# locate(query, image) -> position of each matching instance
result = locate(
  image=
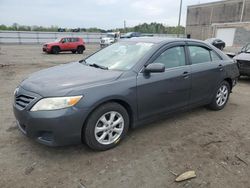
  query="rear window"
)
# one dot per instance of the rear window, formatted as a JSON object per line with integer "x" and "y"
{"x": 74, "y": 39}
{"x": 215, "y": 56}
{"x": 199, "y": 54}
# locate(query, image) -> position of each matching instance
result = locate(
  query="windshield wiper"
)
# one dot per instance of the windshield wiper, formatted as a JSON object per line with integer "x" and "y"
{"x": 94, "y": 65}
{"x": 98, "y": 66}
{"x": 83, "y": 60}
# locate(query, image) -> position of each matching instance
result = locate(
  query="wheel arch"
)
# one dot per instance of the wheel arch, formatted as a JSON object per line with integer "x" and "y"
{"x": 120, "y": 101}
{"x": 55, "y": 46}
{"x": 81, "y": 46}
{"x": 230, "y": 81}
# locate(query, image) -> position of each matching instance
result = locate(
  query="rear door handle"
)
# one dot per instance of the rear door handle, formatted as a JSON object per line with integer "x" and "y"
{"x": 220, "y": 67}
{"x": 185, "y": 74}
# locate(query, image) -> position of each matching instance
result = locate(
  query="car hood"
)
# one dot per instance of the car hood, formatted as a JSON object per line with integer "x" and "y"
{"x": 63, "y": 79}
{"x": 107, "y": 38}
{"x": 243, "y": 57}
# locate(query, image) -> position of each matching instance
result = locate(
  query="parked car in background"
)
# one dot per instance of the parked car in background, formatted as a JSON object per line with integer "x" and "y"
{"x": 73, "y": 44}
{"x": 61, "y": 30}
{"x": 131, "y": 35}
{"x": 96, "y": 100}
{"x": 243, "y": 60}
{"x": 218, "y": 43}
{"x": 109, "y": 39}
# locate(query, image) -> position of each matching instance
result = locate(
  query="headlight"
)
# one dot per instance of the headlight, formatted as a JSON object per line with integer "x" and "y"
{"x": 55, "y": 103}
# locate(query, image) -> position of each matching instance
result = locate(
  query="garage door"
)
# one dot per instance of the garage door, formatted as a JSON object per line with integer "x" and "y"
{"x": 227, "y": 35}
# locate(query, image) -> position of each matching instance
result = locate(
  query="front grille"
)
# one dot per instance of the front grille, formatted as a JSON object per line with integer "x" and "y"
{"x": 22, "y": 101}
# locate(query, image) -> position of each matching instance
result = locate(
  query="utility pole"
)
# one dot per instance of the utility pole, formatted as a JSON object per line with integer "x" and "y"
{"x": 242, "y": 10}
{"x": 124, "y": 24}
{"x": 179, "y": 21}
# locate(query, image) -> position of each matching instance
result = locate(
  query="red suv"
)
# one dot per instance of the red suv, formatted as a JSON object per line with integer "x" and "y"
{"x": 73, "y": 44}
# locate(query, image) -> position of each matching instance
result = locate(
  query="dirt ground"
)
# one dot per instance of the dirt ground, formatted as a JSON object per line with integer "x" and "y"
{"x": 214, "y": 144}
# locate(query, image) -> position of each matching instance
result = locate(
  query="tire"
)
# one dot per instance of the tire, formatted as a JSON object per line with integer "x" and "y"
{"x": 220, "y": 97}
{"x": 55, "y": 50}
{"x": 80, "y": 49}
{"x": 95, "y": 129}
{"x": 73, "y": 51}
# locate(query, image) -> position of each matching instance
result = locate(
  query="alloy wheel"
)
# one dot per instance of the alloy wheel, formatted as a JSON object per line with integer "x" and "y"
{"x": 109, "y": 128}
{"x": 222, "y": 95}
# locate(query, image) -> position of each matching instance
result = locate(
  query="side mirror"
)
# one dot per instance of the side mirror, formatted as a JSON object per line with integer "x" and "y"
{"x": 154, "y": 68}
{"x": 62, "y": 41}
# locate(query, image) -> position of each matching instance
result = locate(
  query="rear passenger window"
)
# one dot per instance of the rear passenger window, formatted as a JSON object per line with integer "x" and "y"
{"x": 173, "y": 57}
{"x": 74, "y": 39}
{"x": 199, "y": 54}
{"x": 215, "y": 56}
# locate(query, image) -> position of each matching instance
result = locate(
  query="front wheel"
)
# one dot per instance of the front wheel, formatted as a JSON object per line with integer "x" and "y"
{"x": 221, "y": 96}
{"x": 55, "y": 50}
{"x": 106, "y": 126}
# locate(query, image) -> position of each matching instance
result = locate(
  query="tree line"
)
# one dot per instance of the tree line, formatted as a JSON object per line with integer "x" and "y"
{"x": 143, "y": 28}
{"x": 155, "y": 28}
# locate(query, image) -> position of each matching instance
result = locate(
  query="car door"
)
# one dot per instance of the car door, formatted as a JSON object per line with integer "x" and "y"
{"x": 206, "y": 72}
{"x": 167, "y": 91}
{"x": 73, "y": 43}
{"x": 65, "y": 44}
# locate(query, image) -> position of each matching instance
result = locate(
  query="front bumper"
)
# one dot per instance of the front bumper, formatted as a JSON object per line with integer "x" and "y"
{"x": 46, "y": 49}
{"x": 105, "y": 44}
{"x": 52, "y": 128}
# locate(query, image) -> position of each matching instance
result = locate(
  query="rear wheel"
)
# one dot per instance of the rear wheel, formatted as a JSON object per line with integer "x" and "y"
{"x": 55, "y": 50}
{"x": 80, "y": 49}
{"x": 221, "y": 96}
{"x": 106, "y": 126}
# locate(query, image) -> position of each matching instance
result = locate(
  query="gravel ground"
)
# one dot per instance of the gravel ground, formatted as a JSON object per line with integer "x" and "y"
{"x": 214, "y": 144}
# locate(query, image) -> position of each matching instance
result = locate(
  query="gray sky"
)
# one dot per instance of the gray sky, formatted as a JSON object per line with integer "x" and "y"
{"x": 104, "y": 14}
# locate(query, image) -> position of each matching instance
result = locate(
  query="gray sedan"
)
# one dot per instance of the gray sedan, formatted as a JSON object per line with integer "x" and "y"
{"x": 97, "y": 100}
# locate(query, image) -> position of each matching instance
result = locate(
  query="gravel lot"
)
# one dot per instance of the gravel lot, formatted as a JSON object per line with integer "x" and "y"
{"x": 214, "y": 144}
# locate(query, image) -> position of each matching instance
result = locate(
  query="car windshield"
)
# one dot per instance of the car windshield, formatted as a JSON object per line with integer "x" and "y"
{"x": 110, "y": 36}
{"x": 246, "y": 48}
{"x": 58, "y": 40}
{"x": 119, "y": 56}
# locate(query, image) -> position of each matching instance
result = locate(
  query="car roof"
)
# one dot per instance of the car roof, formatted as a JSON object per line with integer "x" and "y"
{"x": 158, "y": 40}
{"x": 71, "y": 37}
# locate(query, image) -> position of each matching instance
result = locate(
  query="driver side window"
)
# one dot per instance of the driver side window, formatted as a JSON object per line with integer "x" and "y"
{"x": 172, "y": 57}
